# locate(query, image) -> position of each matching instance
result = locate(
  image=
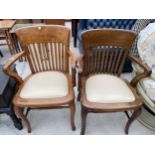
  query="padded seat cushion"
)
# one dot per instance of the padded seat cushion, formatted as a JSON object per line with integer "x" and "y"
{"x": 50, "y": 84}
{"x": 105, "y": 88}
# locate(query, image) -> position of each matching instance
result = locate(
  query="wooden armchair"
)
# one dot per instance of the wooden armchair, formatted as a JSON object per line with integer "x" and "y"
{"x": 50, "y": 85}
{"x": 101, "y": 89}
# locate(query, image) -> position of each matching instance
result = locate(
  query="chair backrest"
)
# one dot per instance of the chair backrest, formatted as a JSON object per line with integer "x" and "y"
{"x": 105, "y": 50}
{"x": 46, "y": 47}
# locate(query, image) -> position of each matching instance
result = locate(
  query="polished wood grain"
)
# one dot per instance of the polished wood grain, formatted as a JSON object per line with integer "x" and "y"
{"x": 105, "y": 51}
{"x": 46, "y": 49}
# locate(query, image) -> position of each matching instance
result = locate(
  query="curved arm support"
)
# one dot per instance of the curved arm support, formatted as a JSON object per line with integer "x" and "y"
{"x": 7, "y": 67}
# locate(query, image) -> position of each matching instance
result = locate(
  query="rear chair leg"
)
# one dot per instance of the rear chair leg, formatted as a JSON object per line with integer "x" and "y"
{"x": 27, "y": 111}
{"x": 134, "y": 116}
{"x": 24, "y": 119}
{"x": 127, "y": 114}
{"x": 72, "y": 114}
{"x": 84, "y": 113}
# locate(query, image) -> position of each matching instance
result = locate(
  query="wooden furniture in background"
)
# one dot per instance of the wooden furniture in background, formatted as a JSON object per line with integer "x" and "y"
{"x": 101, "y": 89}
{"x": 5, "y": 26}
{"x": 8, "y": 88}
{"x": 2, "y": 38}
{"x": 46, "y": 21}
{"x": 54, "y": 21}
{"x": 51, "y": 84}
{"x": 22, "y": 21}
{"x": 36, "y": 20}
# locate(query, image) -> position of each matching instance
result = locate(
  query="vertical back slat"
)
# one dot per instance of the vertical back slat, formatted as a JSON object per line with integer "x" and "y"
{"x": 44, "y": 56}
{"x": 61, "y": 65}
{"x": 99, "y": 59}
{"x": 37, "y": 57}
{"x": 48, "y": 55}
{"x": 41, "y": 56}
{"x": 67, "y": 59}
{"x": 96, "y": 54}
{"x": 114, "y": 59}
{"x": 29, "y": 59}
{"x": 63, "y": 58}
{"x": 58, "y": 56}
{"x": 112, "y": 50}
{"x": 33, "y": 60}
{"x": 124, "y": 55}
{"x": 52, "y": 55}
{"x": 118, "y": 61}
{"x": 86, "y": 62}
{"x": 92, "y": 61}
{"x": 55, "y": 56}
{"x": 102, "y": 58}
{"x": 107, "y": 58}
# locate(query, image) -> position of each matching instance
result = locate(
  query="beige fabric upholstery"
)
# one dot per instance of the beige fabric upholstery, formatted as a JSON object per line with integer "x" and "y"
{"x": 45, "y": 85}
{"x": 153, "y": 74}
{"x": 151, "y": 93}
{"x": 146, "y": 45}
{"x": 108, "y": 89}
{"x": 137, "y": 68}
{"x": 148, "y": 85}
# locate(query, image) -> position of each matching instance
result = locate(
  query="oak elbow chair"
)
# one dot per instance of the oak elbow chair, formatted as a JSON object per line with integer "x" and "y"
{"x": 100, "y": 86}
{"x": 51, "y": 83}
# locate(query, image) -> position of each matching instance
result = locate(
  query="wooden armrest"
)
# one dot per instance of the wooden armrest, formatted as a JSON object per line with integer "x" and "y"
{"x": 9, "y": 63}
{"x": 139, "y": 76}
{"x": 73, "y": 58}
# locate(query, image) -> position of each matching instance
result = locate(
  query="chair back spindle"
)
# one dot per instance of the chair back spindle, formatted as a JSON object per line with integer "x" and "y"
{"x": 46, "y": 47}
{"x": 105, "y": 50}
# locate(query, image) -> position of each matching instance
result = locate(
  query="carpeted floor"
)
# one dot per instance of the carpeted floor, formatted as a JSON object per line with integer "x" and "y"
{"x": 56, "y": 122}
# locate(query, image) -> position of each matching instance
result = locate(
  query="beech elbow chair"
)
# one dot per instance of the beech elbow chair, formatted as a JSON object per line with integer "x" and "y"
{"x": 100, "y": 87}
{"x": 50, "y": 85}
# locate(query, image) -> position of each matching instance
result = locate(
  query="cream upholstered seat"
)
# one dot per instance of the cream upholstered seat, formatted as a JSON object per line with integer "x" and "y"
{"x": 43, "y": 85}
{"x": 105, "y": 88}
